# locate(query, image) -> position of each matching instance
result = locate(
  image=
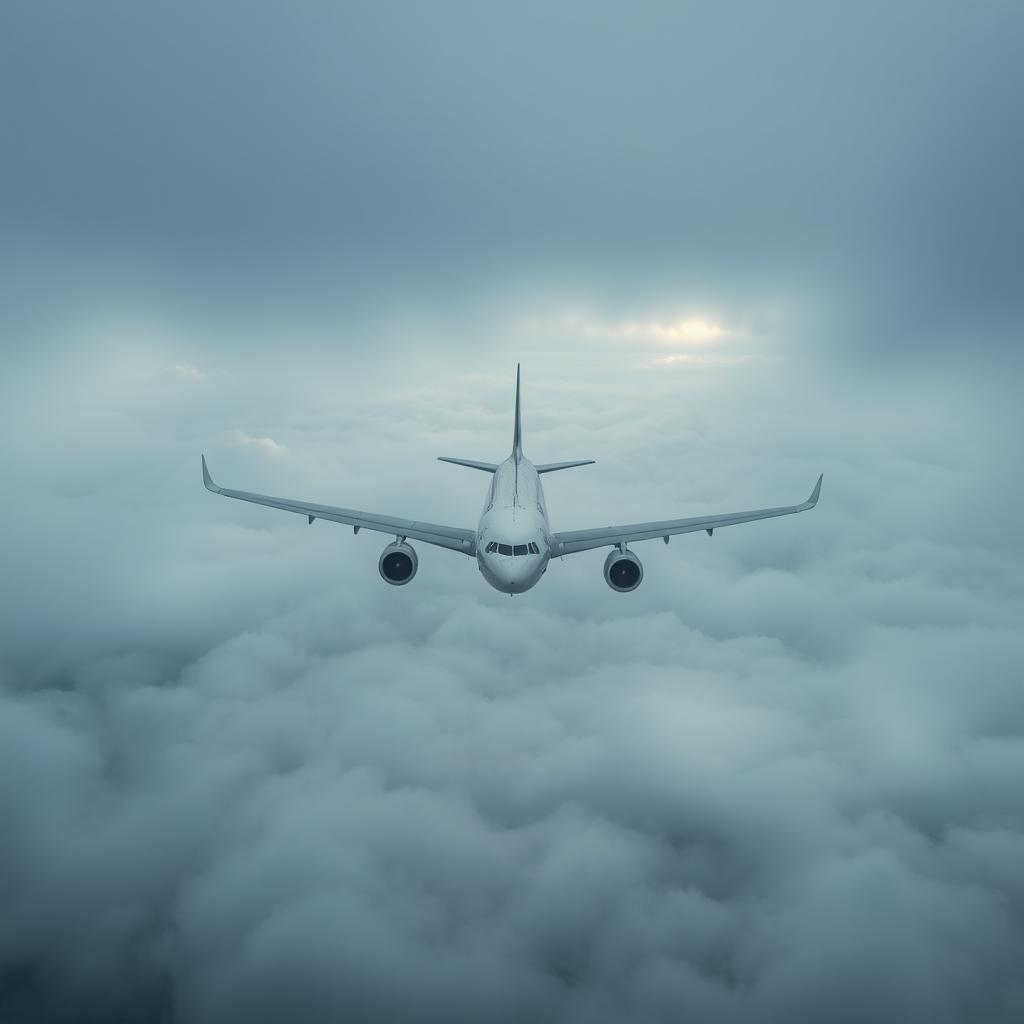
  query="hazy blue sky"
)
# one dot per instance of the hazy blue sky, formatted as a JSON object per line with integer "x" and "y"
{"x": 733, "y": 246}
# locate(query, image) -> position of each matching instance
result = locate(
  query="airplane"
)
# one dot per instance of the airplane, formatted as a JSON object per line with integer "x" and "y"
{"x": 513, "y": 542}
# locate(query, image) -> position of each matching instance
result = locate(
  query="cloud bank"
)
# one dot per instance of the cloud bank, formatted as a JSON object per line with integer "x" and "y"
{"x": 242, "y": 778}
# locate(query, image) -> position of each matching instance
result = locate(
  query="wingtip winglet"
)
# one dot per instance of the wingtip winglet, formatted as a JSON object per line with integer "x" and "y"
{"x": 813, "y": 499}
{"x": 208, "y": 480}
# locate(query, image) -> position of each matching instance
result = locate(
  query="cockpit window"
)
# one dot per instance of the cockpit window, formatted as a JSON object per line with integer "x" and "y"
{"x": 512, "y": 549}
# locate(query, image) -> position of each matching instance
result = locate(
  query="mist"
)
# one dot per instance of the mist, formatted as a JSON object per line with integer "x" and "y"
{"x": 243, "y": 778}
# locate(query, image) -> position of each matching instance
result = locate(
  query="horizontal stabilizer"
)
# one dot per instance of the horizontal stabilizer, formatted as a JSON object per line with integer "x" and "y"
{"x": 550, "y": 467}
{"x": 487, "y": 467}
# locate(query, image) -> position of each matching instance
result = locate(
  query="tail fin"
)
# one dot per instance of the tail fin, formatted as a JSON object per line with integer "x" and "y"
{"x": 517, "y": 435}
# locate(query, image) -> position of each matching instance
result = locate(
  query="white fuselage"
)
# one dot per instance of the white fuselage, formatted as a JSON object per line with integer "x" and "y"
{"x": 513, "y": 541}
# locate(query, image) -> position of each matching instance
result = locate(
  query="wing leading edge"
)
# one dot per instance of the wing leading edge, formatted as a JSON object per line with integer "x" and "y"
{"x": 584, "y": 540}
{"x": 429, "y": 533}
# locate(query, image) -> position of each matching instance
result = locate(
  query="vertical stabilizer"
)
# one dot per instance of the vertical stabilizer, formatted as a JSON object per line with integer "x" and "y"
{"x": 517, "y": 436}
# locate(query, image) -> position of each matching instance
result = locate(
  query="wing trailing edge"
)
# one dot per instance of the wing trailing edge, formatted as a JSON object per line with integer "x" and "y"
{"x": 584, "y": 540}
{"x": 451, "y": 537}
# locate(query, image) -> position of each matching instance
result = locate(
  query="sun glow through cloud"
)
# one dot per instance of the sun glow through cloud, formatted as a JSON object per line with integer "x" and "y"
{"x": 687, "y": 358}
{"x": 691, "y": 331}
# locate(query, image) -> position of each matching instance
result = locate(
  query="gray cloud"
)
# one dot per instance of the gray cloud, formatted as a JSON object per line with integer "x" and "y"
{"x": 241, "y": 778}
{"x": 246, "y": 779}
{"x": 868, "y": 154}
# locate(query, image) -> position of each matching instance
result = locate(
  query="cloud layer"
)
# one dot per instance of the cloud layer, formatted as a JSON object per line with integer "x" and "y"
{"x": 242, "y": 778}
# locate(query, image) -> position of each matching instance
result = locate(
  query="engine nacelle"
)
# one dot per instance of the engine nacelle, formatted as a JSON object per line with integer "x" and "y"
{"x": 398, "y": 564}
{"x": 623, "y": 571}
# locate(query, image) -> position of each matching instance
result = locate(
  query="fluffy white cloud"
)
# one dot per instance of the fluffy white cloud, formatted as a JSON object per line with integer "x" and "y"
{"x": 244, "y": 778}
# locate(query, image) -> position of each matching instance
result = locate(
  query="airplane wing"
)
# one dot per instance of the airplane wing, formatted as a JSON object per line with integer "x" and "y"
{"x": 429, "y": 533}
{"x": 584, "y": 540}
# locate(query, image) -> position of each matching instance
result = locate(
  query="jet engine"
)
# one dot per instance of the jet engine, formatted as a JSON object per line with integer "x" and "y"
{"x": 398, "y": 563}
{"x": 623, "y": 571}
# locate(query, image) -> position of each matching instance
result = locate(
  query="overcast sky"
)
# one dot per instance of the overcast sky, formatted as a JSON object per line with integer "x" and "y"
{"x": 733, "y": 246}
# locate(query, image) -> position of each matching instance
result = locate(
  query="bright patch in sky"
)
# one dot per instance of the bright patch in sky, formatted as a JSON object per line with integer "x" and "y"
{"x": 678, "y": 358}
{"x": 693, "y": 331}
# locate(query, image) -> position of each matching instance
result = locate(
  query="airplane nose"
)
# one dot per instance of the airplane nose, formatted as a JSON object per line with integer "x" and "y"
{"x": 511, "y": 575}
{"x": 517, "y": 576}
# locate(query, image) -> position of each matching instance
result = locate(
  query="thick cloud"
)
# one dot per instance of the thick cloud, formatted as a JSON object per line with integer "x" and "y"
{"x": 241, "y": 778}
